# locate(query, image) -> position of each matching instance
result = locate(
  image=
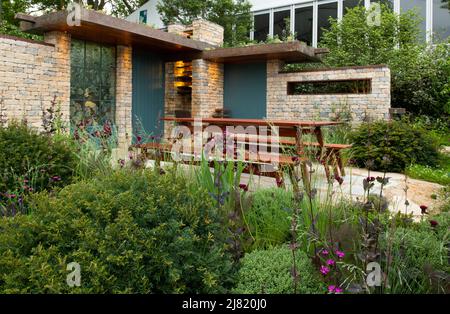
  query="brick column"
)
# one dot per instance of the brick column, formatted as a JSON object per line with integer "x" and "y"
{"x": 207, "y": 87}
{"x": 61, "y": 61}
{"x": 124, "y": 96}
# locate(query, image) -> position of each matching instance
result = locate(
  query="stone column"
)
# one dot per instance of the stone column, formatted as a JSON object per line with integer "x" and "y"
{"x": 61, "y": 61}
{"x": 124, "y": 97}
{"x": 207, "y": 87}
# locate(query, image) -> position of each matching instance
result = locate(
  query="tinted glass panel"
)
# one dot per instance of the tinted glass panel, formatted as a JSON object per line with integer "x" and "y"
{"x": 280, "y": 27}
{"x": 348, "y": 4}
{"x": 261, "y": 27}
{"x": 92, "y": 84}
{"x": 420, "y": 7}
{"x": 441, "y": 19}
{"x": 304, "y": 24}
{"x": 325, "y": 12}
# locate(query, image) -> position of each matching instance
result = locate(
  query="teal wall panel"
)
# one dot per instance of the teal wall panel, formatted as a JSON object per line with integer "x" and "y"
{"x": 148, "y": 93}
{"x": 245, "y": 90}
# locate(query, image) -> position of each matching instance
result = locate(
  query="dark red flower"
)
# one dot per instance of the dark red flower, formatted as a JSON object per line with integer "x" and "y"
{"x": 139, "y": 139}
{"x": 295, "y": 159}
{"x": 424, "y": 208}
{"x": 370, "y": 179}
{"x": 339, "y": 179}
{"x": 279, "y": 182}
{"x": 434, "y": 223}
{"x": 243, "y": 187}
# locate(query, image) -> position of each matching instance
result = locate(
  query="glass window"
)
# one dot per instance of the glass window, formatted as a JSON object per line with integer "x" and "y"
{"x": 325, "y": 12}
{"x": 92, "y": 84}
{"x": 143, "y": 17}
{"x": 280, "y": 27}
{"x": 441, "y": 19}
{"x": 388, "y": 3}
{"x": 304, "y": 24}
{"x": 261, "y": 27}
{"x": 420, "y": 6}
{"x": 349, "y": 4}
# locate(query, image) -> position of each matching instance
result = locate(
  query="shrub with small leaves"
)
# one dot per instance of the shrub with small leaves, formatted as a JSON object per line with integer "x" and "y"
{"x": 40, "y": 159}
{"x": 270, "y": 271}
{"x": 392, "y": 146}
{"x": 131, "y": 232}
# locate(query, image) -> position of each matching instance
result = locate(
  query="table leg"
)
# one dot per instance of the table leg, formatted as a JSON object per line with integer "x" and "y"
{"x": 300, "y": 150}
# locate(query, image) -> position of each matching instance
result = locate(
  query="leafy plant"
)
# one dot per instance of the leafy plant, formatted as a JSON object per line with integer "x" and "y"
{"x": 26, "y": 154}
{"x": 392, "y": 146}
{"x": 269, "y": 271}
{"x": 131, "y": 232}
{"x": 440, "y": 176}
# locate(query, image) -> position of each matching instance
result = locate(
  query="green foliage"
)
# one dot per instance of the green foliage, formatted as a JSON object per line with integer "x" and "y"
{"x": 392, "y": 146}
{"x": 40, "y": 159}
{"x": 269, "y": 217}
{"x": 131, "y": 232}
{"x": 233, "y": 15}
{"x": 13, "y": 30}
{"x": 440, "y": 176}
{"x": 269, "y": 271}
{"x": 419, "y": 74}
{"x": 419, "y": 258}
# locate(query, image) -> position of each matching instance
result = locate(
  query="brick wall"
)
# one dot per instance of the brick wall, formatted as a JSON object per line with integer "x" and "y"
{"x": 280, "y": 105}
{"x": 32, "y": 73}
{"x": 207, "y": 87}
{"x": 124, "y": 96}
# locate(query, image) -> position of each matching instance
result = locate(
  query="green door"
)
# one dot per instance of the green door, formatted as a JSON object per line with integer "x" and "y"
{"x": 148, "y": 95}
{"x": 245, "y": 89}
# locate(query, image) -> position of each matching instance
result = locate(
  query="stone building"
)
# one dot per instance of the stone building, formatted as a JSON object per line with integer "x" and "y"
{"x": 131, "y": 75}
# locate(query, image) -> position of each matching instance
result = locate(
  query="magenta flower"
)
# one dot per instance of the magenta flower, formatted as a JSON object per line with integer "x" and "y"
{"x": 340, "y": 254}
{"x": 331, "y": 288}
{"x": 338, "y": 290}
{"x": 324, "y": 270}
{"x": 330, "y": 262}
{"x": 324, "y": 252}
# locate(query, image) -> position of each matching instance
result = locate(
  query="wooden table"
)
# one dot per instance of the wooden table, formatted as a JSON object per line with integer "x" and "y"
{"x": 285, "y": 129}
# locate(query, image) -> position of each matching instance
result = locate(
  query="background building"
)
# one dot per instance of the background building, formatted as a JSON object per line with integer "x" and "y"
{"x": 307, "y": 17}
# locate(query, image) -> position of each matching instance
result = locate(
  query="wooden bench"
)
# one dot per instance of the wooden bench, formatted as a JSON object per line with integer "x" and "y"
{"x": 330, "y": 157}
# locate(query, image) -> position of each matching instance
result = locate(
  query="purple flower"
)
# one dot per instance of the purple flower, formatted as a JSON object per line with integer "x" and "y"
{"x": 121, "y": 162}
{"x": 56, "y": 178}
{"x": 324, "y": 252}
{"x": 324, "y": 270}
{"x": 340, "y": 254}
{"x": 338, "y": 290}
{"x": 330, "y": 262}
{"x": 331, "y": 288}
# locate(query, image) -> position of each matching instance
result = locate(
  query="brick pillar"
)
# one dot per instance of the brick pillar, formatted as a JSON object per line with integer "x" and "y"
{"x": 208, "y": 32}
{"x": 61, "y": 58}
{"x": 124, "y": 96}
{"x": 207, "y": 87}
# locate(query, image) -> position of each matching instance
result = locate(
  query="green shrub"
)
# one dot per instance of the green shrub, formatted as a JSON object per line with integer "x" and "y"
{"x": 269, "y": 217}
{"x": 131, "y": 232}
{"x": 419, "y": 258}
{"x": 40, "y": 159}
{"x": 396, "y": 140}
{"x": 269, "y": 271}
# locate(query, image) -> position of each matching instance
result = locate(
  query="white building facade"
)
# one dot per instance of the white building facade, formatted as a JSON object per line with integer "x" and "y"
{"x": 308, "y": 17}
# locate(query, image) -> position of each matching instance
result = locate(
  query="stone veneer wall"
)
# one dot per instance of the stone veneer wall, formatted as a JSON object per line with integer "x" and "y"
{"x": 207, "y": 87}
{"x": 124, "y": 94}
{"x": 280, "y": 105}
{"x": 32, "y": 73}
{"x": 208, "y": 32}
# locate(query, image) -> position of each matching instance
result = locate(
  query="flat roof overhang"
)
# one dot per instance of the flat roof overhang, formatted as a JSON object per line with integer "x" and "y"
{"x": 102, "y": 28}
{"x": 294, "y": 51}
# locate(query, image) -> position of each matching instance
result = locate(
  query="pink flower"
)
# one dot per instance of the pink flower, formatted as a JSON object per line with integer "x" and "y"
{"x": 340, "y": 254}
{"x": 331, "y": 288}
{"x": 324, "y": 270}
{"x": 338, "y": 290}
{"x": 330, "y": 262}
{"x": 324, "y": 252}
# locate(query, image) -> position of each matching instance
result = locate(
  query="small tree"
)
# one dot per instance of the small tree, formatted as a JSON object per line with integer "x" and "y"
{"x": 418, "y": 72}
{"x": 233, "y": 15}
